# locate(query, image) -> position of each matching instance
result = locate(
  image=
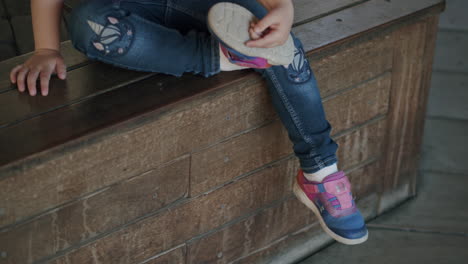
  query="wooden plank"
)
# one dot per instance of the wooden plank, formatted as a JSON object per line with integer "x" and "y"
{"x": 156, "y": 233}
{"x": 407, "y": 92}
{"x": 250, "y": 234}
{"x": 96, "y": 214}
{"x": 413, "y": 152}
{"x": 423, "y": 95}
{"x": 451, "y": 53}
{"x": 369, "y": 16}
{"x": 308, "y": 10}
{"x": 448, "y": 96}
{"x": 386, "y": 246}
{"x": 359, "y": 104}
{"x": 71, "y": 56}
{"x": 310, "y": 236}
{"x": 225, "y": 161}
{"x": 362, "y": 144}
{"x": 365, "y": 180}
{"x": 454, "y": 17}
{"x": 370, "y": 58}
{"x": 177, "y": 255}
{"x": 81, "y": 83}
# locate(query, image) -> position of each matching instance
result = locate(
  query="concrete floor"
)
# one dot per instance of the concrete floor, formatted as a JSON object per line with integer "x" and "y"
{"x": 432, "y": 227}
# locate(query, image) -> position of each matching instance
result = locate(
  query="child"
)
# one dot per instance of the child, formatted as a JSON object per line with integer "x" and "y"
{"x": 173, "y": 37}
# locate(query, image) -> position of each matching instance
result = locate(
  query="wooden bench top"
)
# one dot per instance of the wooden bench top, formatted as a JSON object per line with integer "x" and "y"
{"x": 97, "y": 97}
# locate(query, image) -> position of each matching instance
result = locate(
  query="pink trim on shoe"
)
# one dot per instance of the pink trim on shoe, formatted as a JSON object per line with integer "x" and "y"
{"x": 257, "y": 62}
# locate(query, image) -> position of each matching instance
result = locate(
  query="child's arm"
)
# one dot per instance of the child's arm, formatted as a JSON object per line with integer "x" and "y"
{"x": 273, "y": 30}
{"x": 46, "y": 15}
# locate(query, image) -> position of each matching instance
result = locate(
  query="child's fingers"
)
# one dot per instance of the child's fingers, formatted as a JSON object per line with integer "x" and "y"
{"x": 45, "y": 79}
{"x": 14, "y": 72}
{"x": 21, "y": 78}
{"x": 268, "y": 41}
{"x": 265, "y": 22}
{"x": 61, "y": 70}
{"x": 32, "y": 79}
{"x": 253, "y": 34}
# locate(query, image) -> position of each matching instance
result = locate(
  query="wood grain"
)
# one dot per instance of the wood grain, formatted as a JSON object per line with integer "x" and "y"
{"x": 96, "y": 78}
{"x": 129, "y": 152}
{"x": 309, "y": 10}
{"x": 177, "y": 255}
{"x": 333, "y": 72}
{"x": 255, "y": 232}
{"x": 242, "y": 108}
{"x": 409, "y": 94}
{"x": 369, "y": 16}
{"x": 160, "y": 232}
{"x": 96, "y": 214}
{"x": 227, "y": 160}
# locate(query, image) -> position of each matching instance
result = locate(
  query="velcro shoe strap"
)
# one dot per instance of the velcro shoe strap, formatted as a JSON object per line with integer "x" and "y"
{"x": 340, "y": 188}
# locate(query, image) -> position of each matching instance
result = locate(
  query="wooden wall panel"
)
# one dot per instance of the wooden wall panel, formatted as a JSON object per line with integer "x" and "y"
{"x": 333, "y": 72}
{"x": 250, "y": 234}
{"x": 175, "y": 256}
{"x": 363, "y": 144}
{"x": 227, "y": 160}
{"x": 160, "y": 232}
{"x": 94, "y": 215}
{"x": 408, "y": 99}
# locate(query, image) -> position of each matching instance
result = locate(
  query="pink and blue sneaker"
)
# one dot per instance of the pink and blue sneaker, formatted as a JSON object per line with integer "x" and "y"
{"x": 332, "y": 202}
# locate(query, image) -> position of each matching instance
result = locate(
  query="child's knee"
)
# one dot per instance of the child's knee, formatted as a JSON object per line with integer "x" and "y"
{"x": 97, "y": 27}
{"x": 78, "y": 27}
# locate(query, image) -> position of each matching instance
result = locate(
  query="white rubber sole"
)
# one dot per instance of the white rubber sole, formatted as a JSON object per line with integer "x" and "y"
{"x": 231, "y": 22}
{"x": 305, "y": 200}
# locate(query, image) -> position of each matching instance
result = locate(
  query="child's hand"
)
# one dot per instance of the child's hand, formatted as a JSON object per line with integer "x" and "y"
{"x": 273, "y": 30}
{"x": 41, "y": 65}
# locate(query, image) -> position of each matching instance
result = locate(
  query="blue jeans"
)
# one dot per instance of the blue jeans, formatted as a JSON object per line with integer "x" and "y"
{"x": 171, "y": 37}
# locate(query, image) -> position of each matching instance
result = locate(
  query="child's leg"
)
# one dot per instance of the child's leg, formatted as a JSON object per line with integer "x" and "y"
{"x": 297, "y": 100}
{"x": 133, "y": 34}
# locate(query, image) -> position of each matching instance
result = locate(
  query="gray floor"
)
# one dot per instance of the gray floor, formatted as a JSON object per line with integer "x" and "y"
{"x": 433, "y": 227}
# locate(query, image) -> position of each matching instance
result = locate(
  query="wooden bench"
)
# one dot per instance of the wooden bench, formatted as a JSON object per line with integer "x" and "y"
{"x": 116, "y": 166}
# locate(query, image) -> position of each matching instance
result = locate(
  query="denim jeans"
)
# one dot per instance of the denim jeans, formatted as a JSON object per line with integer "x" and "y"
{"x": 171, "y": 37}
